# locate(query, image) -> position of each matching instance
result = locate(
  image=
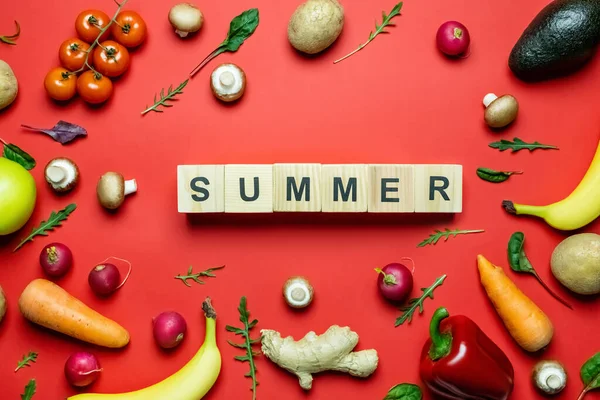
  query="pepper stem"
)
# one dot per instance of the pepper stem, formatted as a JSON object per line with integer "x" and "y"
{"x": 441, "y": 343}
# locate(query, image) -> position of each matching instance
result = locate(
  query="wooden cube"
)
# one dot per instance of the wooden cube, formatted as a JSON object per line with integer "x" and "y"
{"x": 297, "y": 187}
{"x": 344, "y": 188}
{"x": 391, "y": 188}
{"x": 248, "y": 188}
{"x": 438, "y": 188}
{"x": 201, "y": 188}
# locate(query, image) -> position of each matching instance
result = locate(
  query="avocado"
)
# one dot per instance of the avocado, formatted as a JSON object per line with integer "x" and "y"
{"x": 559, "y": 40}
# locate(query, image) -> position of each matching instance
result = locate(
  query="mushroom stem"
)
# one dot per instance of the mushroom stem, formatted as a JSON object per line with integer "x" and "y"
{"x": 56, "y": 174}
{"x": 181, "y": 33}
{"x": 487, "y": 100}
{"x": 554, "y": 382}
{"x": 226, "y": 78}
{"x": 130, "y": 187}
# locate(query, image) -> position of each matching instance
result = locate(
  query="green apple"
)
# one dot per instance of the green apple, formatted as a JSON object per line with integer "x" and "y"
{"x": 17, "y": 196}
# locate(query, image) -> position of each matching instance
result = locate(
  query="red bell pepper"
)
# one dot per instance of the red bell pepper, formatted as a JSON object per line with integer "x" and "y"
{"x": 460, "y": 362}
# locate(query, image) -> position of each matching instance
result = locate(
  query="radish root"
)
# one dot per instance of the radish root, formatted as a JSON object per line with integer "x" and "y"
{"x": 331, "y": 351}
{"x": 128, "y": 272}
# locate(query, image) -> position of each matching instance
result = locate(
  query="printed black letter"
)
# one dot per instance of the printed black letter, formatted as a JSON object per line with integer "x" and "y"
{"x": 385, "y": 190}
{"x": 291, "y": 186}
{"x": 203, "y": 191}
{"x": 243, "y": 190}
{"x": 338, "y": 187}
{"x": 441, "y": 189}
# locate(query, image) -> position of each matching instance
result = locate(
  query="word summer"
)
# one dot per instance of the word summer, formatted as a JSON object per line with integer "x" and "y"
{"x": 350, "y": 188}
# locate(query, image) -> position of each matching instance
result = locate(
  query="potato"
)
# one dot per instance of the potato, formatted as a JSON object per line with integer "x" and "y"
{"x": 2, "y": 304}
{"x": 576, "y": 263}
{"x": 8, "y": 85}
{"x": 315, "y": 25}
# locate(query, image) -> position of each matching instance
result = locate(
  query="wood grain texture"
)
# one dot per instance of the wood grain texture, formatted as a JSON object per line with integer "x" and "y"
{"x": 258, "y": 175}
{"x": 446, "y": 194}
{"x": 305, "y": 184}
{"x": 209, "y": 177}
{"x": 340, "y": 179}
{"x": 399, "y": 180}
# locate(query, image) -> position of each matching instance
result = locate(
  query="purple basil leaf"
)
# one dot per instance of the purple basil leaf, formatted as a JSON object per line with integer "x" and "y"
{"x": 63, "y": 132}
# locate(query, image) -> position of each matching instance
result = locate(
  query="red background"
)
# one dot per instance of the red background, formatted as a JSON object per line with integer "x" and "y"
{"x": 397, "y": 101}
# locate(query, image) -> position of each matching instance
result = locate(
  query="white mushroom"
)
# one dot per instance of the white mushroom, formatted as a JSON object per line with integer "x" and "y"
{"x": 228, "y": 82}
{"x": 549, "y": 376}
{"x": 186, "y": 18}
{"x": 62, "y": 174}
{"x": 298, "y": 292}
{"x": 112, "y": 189}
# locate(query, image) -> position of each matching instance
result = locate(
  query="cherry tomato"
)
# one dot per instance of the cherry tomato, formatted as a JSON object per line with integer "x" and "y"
{"x": 94, "y": 88}
{"x": 89, "y": 23}
{"x": 111, "y": 59}
{"x": 72, "y": 53}
{"x": 60, "y": 84}
{"x": 129, "y": 29}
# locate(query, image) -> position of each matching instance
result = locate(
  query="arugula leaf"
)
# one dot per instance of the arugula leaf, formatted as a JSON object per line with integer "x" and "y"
{"x": 53, "y": 221}
{"x": 240, "y": 29}
{"x": 518, "y": 144}
{"x": 417, "y": 303}
{"x": 520, "y": 263}
{"x": 63, "y": 132}
{"x": 195, "y": 277}
{"x": 404, "y": 391}
{"x": 30, "y": 357}
{"x": 386, "y": 21}
{"x": 248, "y": 342}
{"x": 170, "y": 96}
{"x": 590, "y": 375}
{"x": 16, "y": 154}
{"x": 29, "y": 390}
{"x": 435, "y": 237}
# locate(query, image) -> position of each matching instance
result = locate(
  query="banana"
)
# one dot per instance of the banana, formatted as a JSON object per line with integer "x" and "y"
{"x": 191, "y": 382}
{"x": 580, "y": 208}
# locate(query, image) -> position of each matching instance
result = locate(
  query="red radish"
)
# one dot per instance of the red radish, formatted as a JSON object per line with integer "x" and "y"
{"x": 453, "y": 38}
{"x": 169, "y": 329}
{"x": 395, "y": 282}
{"x": 105, "y": 278}
{"x": 82, "y": 369}
{"x": 56, "y": 259}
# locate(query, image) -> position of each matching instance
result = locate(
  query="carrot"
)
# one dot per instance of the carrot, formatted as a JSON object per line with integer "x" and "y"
{"x": 525, "y": 321}
{"x": 47, "y": 304}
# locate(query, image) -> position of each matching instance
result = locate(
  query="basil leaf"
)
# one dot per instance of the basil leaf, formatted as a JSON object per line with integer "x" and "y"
{"x": 63, "y": 132}
{"x": 493, "y": 176}
{"x": 516, "y": 255}
{"x": 240, "y": 29}
{"x": 590, "y": 372}
{"x": 16, "y": 154}
{"x": 404, "y": 391}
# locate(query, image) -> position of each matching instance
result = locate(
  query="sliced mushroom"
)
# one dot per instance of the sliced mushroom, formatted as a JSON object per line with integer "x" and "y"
{"x": 500, "y": 111}
{"x": 186, "y": 18}
{"x": 298, "y": 292}
{"x": 62, "y": 174}
{"x": 112, "y": 189}
{"x": 228, "y": 82}
{"x": 549, "y": 376}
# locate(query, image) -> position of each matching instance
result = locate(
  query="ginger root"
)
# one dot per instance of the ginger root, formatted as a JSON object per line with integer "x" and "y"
{"x": 331, "y": 351}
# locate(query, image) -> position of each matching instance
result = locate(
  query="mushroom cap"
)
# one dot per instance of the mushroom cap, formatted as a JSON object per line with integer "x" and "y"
{"x": 298, "y": 292}
{"x": 223, "y": 87}
{"x": 111, "y": 190}
{"x": 502, "y": 111}
{"x": 186, "y": 17}
{"x": 62, "y": 174}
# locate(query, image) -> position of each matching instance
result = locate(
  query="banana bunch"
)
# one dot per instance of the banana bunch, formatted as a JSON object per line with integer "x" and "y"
{"x": 191, "y": 382}
{"x": 580, "y": 208}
